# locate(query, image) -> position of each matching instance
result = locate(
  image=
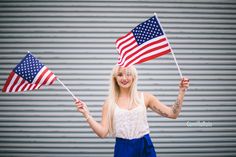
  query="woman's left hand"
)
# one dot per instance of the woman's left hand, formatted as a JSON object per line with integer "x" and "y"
{"x": 184, "y": 84}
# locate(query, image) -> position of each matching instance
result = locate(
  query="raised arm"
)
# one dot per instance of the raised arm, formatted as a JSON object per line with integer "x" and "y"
{"x": 164, "y": 110}
{"x": 101, "y": 129}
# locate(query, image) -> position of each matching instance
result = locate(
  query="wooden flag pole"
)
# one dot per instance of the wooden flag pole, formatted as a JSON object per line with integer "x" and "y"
{"x": 172, "y": 52}
{"x": 67, "y": 88}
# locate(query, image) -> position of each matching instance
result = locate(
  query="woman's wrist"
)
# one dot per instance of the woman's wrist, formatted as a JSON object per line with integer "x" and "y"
{"x": 87, "y": 116}
{"x": 182, "y": 89}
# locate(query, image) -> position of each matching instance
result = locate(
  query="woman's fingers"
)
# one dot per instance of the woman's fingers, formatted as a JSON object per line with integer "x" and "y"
{"x": 185, "y": 79}
{"x": 78, "y": 102}
{"x": 79, "y": 105}
{"x": 184, "y": 82}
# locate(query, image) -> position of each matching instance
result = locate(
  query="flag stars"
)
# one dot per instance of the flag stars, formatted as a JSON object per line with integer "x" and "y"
{"x": 28, "y": 68}
{"x": 147, "y": 30}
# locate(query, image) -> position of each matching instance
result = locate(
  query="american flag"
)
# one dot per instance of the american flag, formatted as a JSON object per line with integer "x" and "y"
{"x": 145, "y": 42}
{"x": 29, "y": 74}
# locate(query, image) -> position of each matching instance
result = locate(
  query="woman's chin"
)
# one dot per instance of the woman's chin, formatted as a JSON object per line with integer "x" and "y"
{"x": 125, "y": 86}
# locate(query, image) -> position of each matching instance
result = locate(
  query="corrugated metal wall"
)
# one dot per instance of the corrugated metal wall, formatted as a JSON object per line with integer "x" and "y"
{"x": 75, "y": 39}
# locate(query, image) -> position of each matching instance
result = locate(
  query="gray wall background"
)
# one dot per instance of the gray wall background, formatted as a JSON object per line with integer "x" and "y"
{"x": 76, "y": 40}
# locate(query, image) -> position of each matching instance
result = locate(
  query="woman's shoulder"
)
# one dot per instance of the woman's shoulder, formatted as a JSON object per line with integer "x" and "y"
{"x": 106, "y": 103}
{"x": 147, "y": 96}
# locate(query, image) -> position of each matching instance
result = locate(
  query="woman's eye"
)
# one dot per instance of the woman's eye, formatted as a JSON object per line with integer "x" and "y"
{"x": 128, "y": 73}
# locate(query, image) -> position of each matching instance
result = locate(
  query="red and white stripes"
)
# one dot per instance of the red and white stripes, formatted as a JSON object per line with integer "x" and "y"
{"x": 15, "y": 83}
{"x": 131, "y": 53}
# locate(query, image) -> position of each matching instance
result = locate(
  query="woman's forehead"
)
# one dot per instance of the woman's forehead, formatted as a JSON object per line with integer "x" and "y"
{"x": 123, "y": 69}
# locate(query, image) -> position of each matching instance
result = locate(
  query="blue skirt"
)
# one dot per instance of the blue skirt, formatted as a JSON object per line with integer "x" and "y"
{"x": 140, "y": 147}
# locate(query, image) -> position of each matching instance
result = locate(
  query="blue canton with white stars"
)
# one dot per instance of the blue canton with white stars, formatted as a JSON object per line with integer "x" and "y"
{"x": 28, "y": 68}
{"x": 147, "y": 30}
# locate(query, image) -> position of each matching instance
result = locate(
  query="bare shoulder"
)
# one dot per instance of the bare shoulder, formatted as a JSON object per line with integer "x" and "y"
{"x": 105, "y": 104}
{"x": 147, "y": 98}
{"x": 148, "y": 95}
{"x": 150, "y": 99}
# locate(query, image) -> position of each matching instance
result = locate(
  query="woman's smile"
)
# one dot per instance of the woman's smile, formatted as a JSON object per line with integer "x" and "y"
{"x": 124, "y": 82}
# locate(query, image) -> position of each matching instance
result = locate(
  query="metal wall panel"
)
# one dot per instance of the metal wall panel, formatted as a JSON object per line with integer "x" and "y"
{"x": 75, "y": 39}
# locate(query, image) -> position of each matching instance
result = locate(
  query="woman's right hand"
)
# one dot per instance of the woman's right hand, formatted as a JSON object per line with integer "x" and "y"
{"x": 82, "y": 107}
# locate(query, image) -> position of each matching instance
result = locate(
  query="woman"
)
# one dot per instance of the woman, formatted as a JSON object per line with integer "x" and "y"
{"x": 124, "y": 113}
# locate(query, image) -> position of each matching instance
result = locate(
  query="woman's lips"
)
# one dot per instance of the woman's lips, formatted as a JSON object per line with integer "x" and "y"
{"x": 124, "y": 83}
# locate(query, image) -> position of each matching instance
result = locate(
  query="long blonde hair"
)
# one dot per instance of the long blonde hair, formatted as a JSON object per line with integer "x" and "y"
{"x": 114, "y": 92}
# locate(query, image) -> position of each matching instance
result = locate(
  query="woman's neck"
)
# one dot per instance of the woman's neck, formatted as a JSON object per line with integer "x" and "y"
{"x": 124, "y": 92}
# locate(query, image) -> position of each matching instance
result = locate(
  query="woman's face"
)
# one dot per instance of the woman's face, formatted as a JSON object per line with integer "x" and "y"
{"x": 124, "y": 77}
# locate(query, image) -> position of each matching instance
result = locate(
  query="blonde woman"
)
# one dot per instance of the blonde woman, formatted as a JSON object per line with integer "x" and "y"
{"x": 124, "y": 113}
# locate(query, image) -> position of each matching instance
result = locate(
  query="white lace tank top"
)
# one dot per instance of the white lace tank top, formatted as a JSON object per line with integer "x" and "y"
{"x": 130, "y": 124}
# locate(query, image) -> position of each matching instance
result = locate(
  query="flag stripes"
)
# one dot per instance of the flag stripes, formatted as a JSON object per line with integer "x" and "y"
{"x": 134, "y": 54}
{"x": 145, "y": 42}
{"x": 15, "y": 83}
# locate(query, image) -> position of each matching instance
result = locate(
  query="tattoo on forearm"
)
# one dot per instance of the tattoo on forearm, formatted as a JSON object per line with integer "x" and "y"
{"x": 176, "y": 106}
{"x": 160, "y": 112}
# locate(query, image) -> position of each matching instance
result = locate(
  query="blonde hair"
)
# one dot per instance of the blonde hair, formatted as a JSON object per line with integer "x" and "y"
{"x": 114, "y": 92}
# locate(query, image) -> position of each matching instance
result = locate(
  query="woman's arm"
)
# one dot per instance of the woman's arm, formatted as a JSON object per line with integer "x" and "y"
{"x": 101, "y": 129}
{"x": 166, "y": 111}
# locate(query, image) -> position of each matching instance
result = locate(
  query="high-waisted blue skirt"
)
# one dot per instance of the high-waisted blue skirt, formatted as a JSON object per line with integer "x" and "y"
{"x": 140, "y": 147}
